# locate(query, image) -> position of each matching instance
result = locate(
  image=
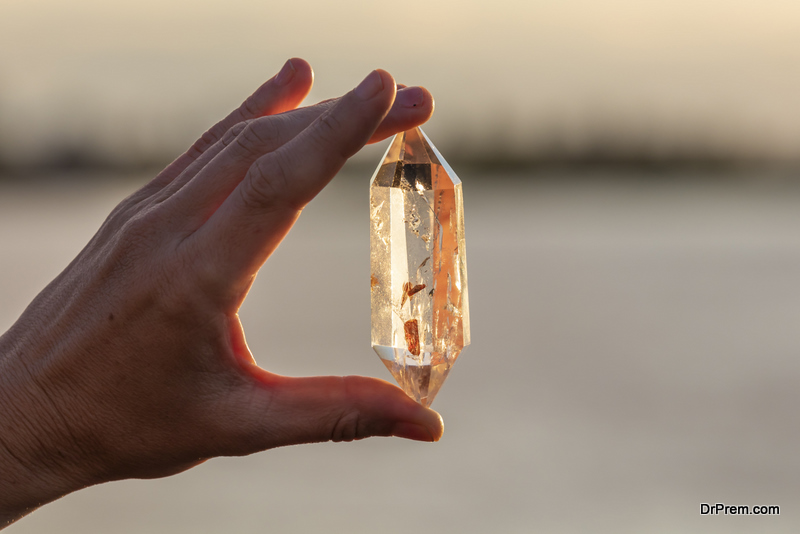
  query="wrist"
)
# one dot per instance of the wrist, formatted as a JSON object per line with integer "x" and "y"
{"x": 35, "y": 466}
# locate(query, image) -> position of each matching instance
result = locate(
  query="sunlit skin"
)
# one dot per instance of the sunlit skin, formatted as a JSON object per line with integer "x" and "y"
{"x": 133, "y": 363}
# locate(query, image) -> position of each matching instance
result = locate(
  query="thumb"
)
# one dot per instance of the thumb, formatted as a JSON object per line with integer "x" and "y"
{"x": 286, "y": 411}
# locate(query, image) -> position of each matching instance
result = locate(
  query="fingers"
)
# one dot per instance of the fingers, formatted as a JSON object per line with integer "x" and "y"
{"x": 412, "y": 106}
{"x": 302, "y": 167}
{"x": 225, "y": 164}
{"x": 280, "y": 411}
{"x": 284, "y": 91}
{"x": 255, "y": 217}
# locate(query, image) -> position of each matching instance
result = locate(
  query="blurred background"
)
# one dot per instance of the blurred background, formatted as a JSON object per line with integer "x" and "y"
{"x": 632, "y": 201}
{"x": 126, "y": 83}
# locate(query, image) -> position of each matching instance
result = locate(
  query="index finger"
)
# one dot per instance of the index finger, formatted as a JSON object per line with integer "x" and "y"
{"x": 240, "y": 235}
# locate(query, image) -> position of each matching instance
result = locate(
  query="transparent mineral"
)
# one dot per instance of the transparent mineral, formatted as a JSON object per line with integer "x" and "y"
{"x": 420, "y": 316}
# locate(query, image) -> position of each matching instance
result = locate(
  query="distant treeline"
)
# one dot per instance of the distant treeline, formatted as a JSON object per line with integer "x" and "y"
{"x": 498, "y": 153}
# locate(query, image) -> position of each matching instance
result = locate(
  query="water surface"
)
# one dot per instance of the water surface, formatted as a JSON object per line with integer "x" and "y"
{"x": 634, "y": 354}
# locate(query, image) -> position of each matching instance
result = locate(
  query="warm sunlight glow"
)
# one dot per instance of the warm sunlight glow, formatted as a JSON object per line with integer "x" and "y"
{"x": 541, "y": 72}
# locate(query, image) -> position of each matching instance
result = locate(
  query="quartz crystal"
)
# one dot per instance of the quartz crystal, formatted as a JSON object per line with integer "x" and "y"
{"x": 420, "y": 317}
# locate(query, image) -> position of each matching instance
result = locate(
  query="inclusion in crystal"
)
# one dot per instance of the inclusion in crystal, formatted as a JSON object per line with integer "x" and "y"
{"x": 418, "y": 285}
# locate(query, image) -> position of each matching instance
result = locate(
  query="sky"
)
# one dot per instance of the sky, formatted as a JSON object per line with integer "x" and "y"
{"x": 144, "y": 78}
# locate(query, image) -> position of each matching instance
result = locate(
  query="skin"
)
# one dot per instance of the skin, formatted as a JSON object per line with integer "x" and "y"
{"x": 132, "y": 363}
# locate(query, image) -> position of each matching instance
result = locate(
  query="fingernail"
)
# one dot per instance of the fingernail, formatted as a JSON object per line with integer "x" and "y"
{"x": 371, "y": 86}
{"x": 412, "y": 431}
{"x": 286, "y": 74}
{"x": 410, "y": 97}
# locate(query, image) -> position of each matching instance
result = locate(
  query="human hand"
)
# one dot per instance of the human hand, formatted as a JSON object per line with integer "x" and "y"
{"x": 132, "y": 363}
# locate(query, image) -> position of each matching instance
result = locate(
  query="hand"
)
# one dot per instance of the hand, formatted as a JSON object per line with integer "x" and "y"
{"x": 132, "y": 363}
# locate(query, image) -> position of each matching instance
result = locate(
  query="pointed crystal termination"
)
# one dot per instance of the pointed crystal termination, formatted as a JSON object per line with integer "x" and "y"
{"x": 420, "y": 315}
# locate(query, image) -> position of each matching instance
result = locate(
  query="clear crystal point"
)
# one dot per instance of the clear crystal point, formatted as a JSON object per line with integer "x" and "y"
{"x": 418, "y": 285}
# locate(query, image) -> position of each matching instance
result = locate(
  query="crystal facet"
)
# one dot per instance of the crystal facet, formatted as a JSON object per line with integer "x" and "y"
{"x": 420, "y": 315}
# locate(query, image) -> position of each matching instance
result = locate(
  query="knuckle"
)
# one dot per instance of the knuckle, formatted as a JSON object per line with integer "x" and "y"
{"x": 113, "y": 224}
{"x": 346, "y": 427}
{"x": 173, "y": 278}
{"x": 123, "y": 211}
{"x": 121, "y": 249}
{"x": 205, "y": 141}
{"x": 265, "y": 184}
{"x": 234, "y": 132}
{"x": 260, "y": 136}
{"x": 142, "y": 223}
{"x": 138, "y": 232}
